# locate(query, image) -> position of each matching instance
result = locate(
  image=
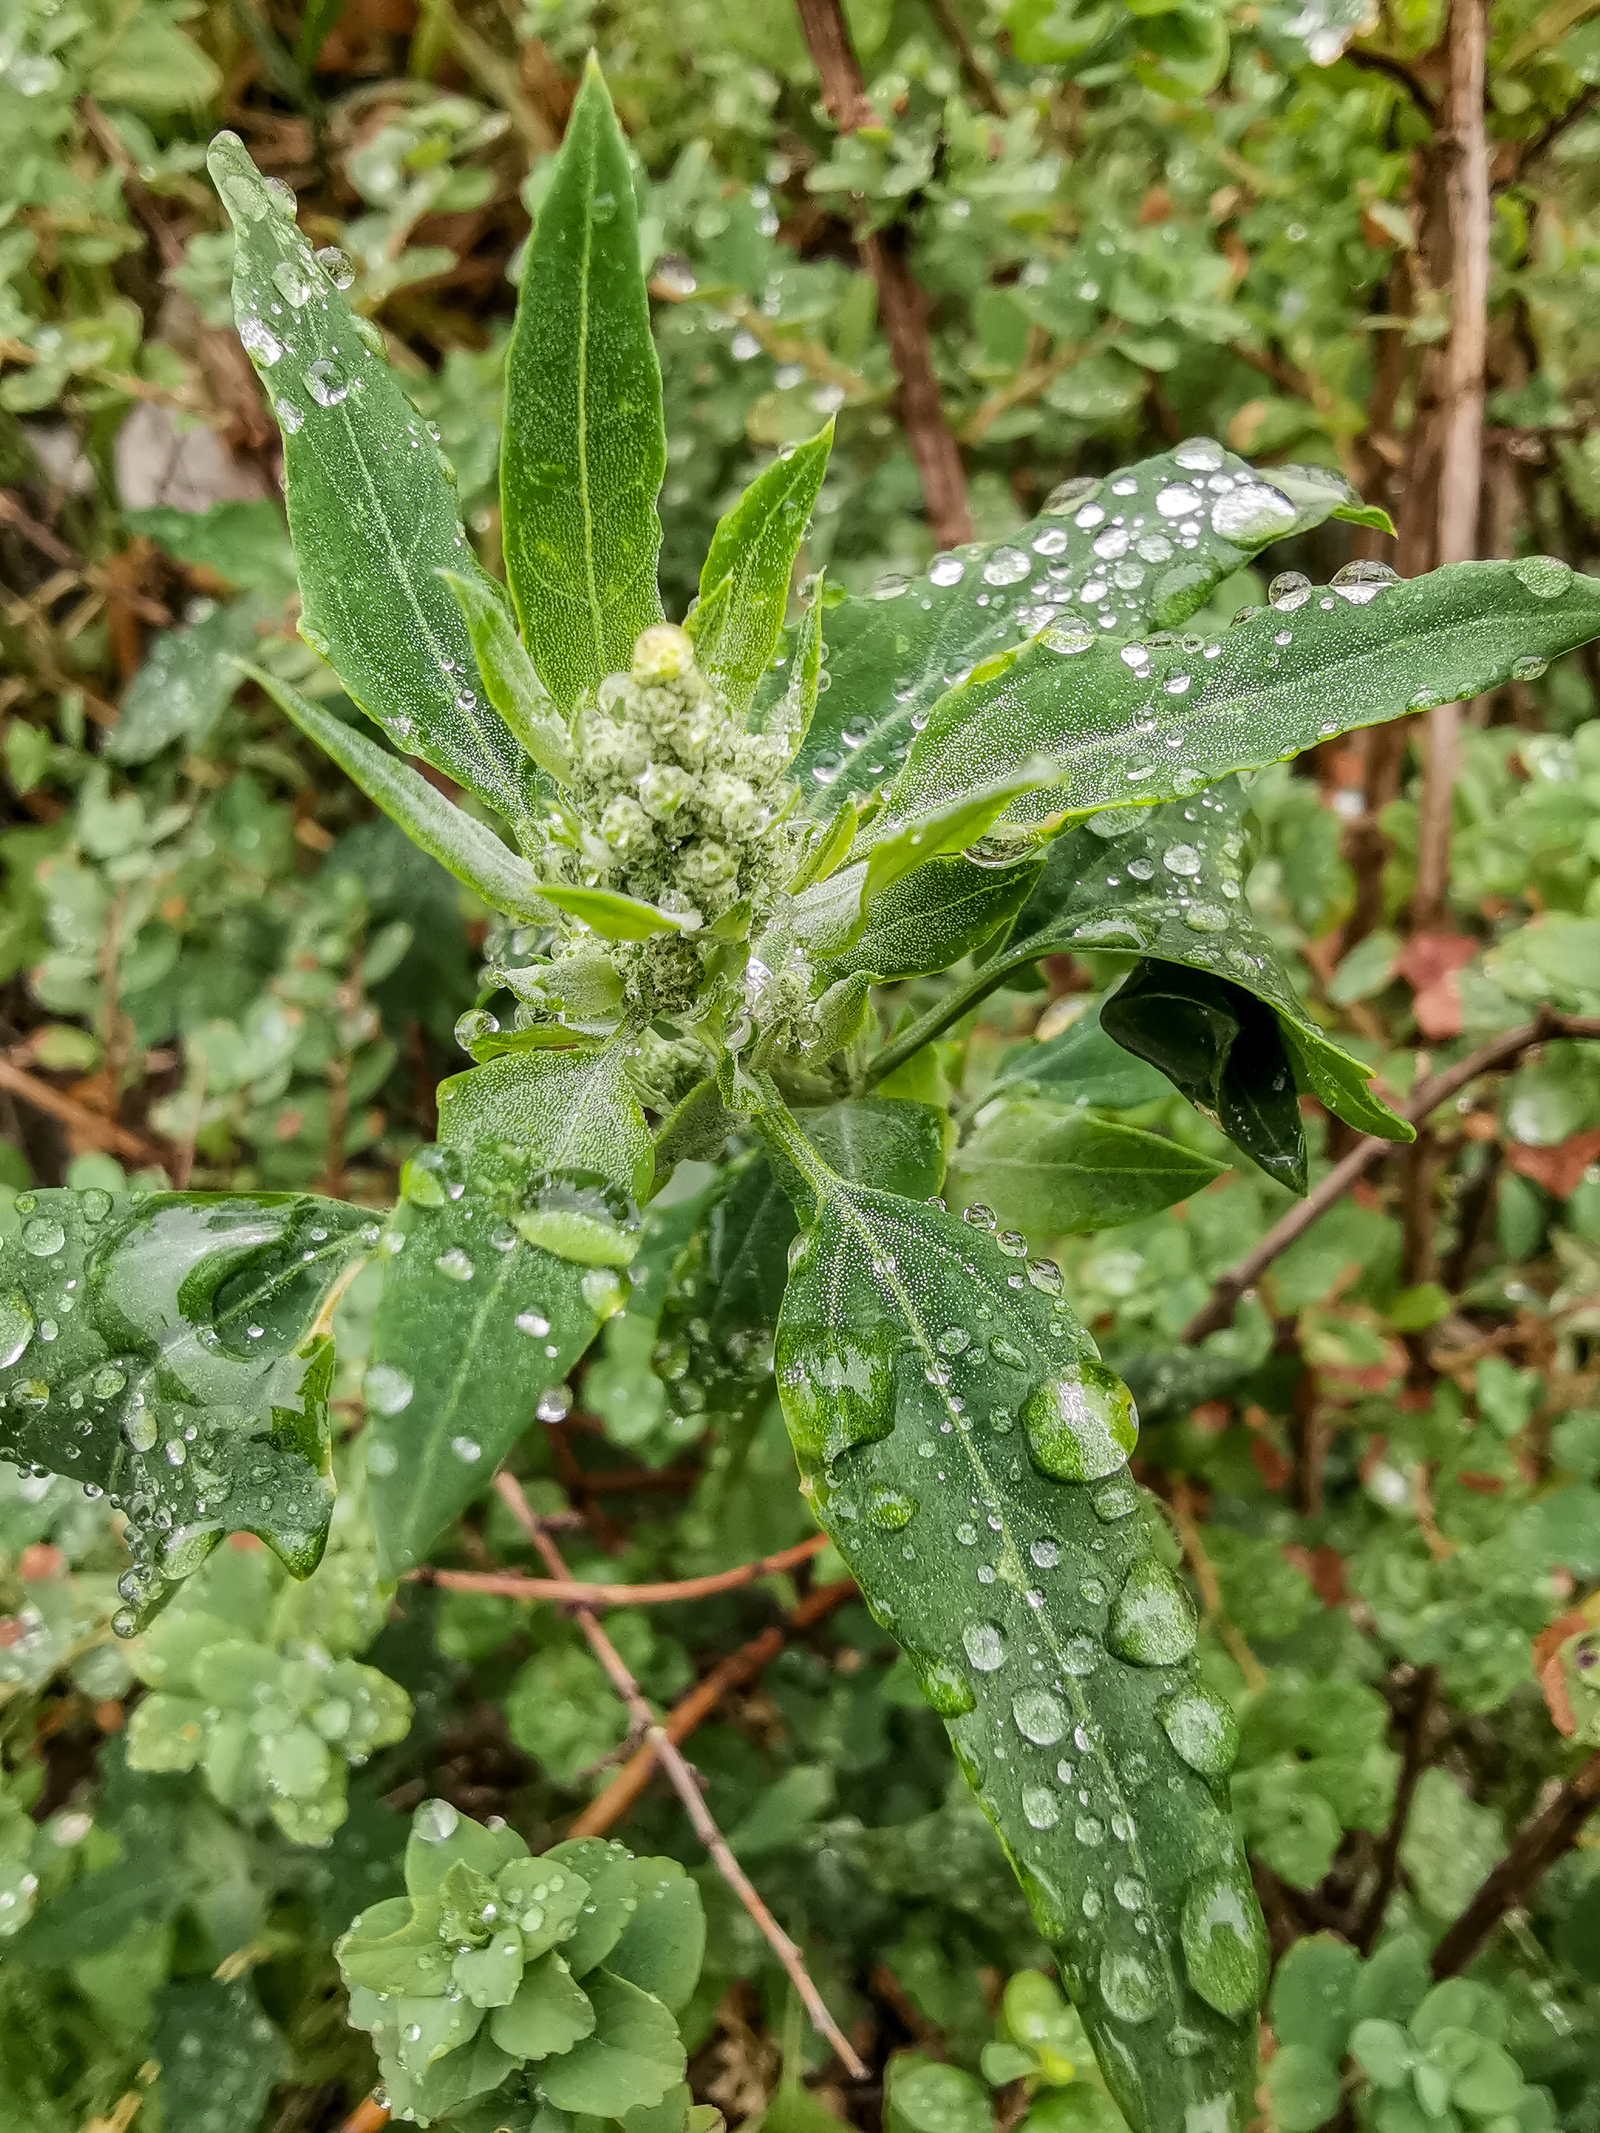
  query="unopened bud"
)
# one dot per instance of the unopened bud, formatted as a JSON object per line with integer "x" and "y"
{"x": 662, "y": 653}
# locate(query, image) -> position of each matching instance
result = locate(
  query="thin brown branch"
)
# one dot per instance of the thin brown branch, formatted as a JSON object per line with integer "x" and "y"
{"x": 369, "y": 2116}
{"x": 1418, "y": 1742}
{"x": 1462, "y": 149}
{"x": 608, "y": 1808}
{"x": 1542, "y": 143}
{"x": 88, "y": 1126}
{"x": 1500, "y": 1051}
{"x": 1205, "y": 1576}
{"x": 902, "y": 302}
{"x": 575, "y": 1591}
{"x": 1396, "y": 71}
{"x": 977, "y": 77}
{"x": 1539, "y": 1844}
{"x": 683, "y": 1781}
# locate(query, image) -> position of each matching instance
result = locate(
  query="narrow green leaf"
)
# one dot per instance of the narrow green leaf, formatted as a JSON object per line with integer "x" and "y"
{"x": 585, "y": 445}
{"x": 1224, "y": 1050}
{"x": 460, "y": 843}
{"x": 749, "y": 565}
{"x": 168, "y": 1351}
{"x": 949, "y": 827}
{"x": 514, "y": 688}
{"x": 932, "y": 918}
{"x": 892, "y": 656}
{"x": 372, "y": 509}
{"x": 829, "y": 844}
{"x": 1052, "y": 1171}
{"x": 609, "y": 913}
{"x": 967, "y": 1455}
{"x": 1185, "y": 713}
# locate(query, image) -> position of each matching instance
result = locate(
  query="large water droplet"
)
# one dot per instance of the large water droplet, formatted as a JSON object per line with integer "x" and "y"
{"x": 1082, "y": 1425}
{"x": 891, "y": 1509}
{"x": 435, "y": 1822}
{"x": 1252, "y": 512}
{"x": 336, "y": 265}
{"x": 837, "y": 1391}
{"x": 947, "y": 1690}
{"x": 1041, "y": 1806}
{"x": 1127, "y": 1986}
{"x": 1183, "y": 860}
{"x": 947, "y": 570}
{"x": 260, "y": 340}
{"x": 1289, "y": 590}
{"x": 43, "y": 1236}
{"x": 1224, "y": 1940}
{"x": 1363, "y": 580}
{"x": 431, "y": 1177}
{"x": 1005, "y": 567}
{"x": 325, "y": 382}
{"x": 1040, "y": 1717}
{"x": 1178, "y": 500}
{"x": 1203, "y": 1731}
{"x": 388, "y": 1390}
{"x": 1545, "y": 576}
{"x": 985, "y": 1644}
{"x": 1199, "y": 455}
{"x": 1152, "y": 1622}
{"x": 16, "y": 1327}
{"x": 455, "y": 1264}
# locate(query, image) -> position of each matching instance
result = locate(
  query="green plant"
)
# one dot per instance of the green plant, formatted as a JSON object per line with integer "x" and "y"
{"x": 714, "y": 864}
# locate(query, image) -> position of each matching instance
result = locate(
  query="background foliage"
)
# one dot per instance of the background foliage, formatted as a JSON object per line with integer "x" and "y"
{"x": 1133, "y": 224}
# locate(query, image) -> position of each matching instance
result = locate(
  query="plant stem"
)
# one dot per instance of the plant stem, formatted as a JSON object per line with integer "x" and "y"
{"x": 512, "y": 1585}
{"x": 1539, "y": 1844}
{"x": 682, "y": 1779}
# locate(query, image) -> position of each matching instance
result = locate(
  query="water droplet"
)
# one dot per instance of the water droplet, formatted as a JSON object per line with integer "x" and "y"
{"x": 1130, "y": 1892}
{"x": 94, "y": 1204}
{"x": 1182, "y": 859}
{"x": 1152, "y": 1621}
{"x": 1045, "y": 1553}
{"x": 1545, "y": 576}
{"x": 533, "y": 1323}
{"x": 431, "y": 1177}
{"x": 978, "y": 1216}
{"x": 325, "y": 382}
{"x": 1046, "y": 1276}
{"x": 891, "y": 1509}
{"x": 435, "y": 1822}
{"x": 260, "y": 341}
{"x": 1529, "y": 667}
{"x": 1039, "y": 1716}
{"x": 108, "y": 1381}
{"x": 16, "y": 1327}
{"x": 1289, "y": 590}
{"x": 1206, "y": 918}
{"x": 1224, "y": 1940}
{"x": 475, "y": 1023}
{"x": 1067, "y": 493}
{"x": 388, "y": 1390}
{"x": 891, "y": 585}
{"x": 43, "y": 1236}
{"x": 1362, "y": 580}
{"x": 290, "y": 418}
{"x": 1127, "y": 1987}
{"x": 554, "y": 1403}
{"x": 293, "y": 282}
{"x": 954, "y": 1339}
{"x": 1178, "y": 500}
{"x": 1081, "y": 1425}
{"x": 455, "y": 1264}
{"x": 1005, "y": 567}
{"x": 985, "y": 1644}
{"x": 1080, "y": 1656}
{"x": 467, "y": 1449}
{"x": 1251, "y": 513}
{"x": 1199, "y": 455}
{"x": 1089, "y": 1830}
{"x": 947, "y": 570}
{"x": 1041, "y": 1807}
{"x": 1068, "y": 638}
{"x": 336, "y": 265}
{"x": 1202, "y": 1730}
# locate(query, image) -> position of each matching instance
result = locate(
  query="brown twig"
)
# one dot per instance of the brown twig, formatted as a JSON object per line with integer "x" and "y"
{"x": 1461, "y": 148}
{"x": 973, "y": 71}
{"x": 89, "y": 1126}
{"x": 607, "y": 1808}
{"x": 1500, "y": 1051}
{"x": 1416, "y": 1758}
{"x": 683, "y": 1782}
{"x": 1205, "y": 1576}
{"x": 512, "y": 1585}
{"x": 1396, "y": 71}
{"x": 368, "y": 2117}
{"x": 1539, "y": 1844}
{"x": 902, "y": 303}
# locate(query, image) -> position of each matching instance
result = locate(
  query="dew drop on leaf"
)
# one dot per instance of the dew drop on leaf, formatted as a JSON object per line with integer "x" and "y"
{"x": 985, "y": 1644}
{"x": 325, "y": 382}
{"x": 1545, "y": 576}
{"x": 1041, "y": 1807}
{"x": 1127, "y": 1987}
{"x": 43, "y": 1236}
{"x": 1152, "y": 1622}
{"x": 388, "y": 1390}
{"x": 1039, "y": 1716}
{"x": 1224, "y": 1941}
{"x": 1202, "y": 1730}
{"x": 435, "y": 1822}
{"x": 891, "y": 1509}
{"x": 290, "y": 418}
{"x": 946, "y": 570}
{"x": 1082, "y": 1425}
{"x": 16, "y": 1327}
{"x": 455, "y": 1264}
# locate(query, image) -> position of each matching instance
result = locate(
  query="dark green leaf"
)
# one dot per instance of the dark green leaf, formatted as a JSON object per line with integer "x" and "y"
{"x": 1050, "y": 1171}
{"x": 1223, "y": 1049}
{"x": 1188, "y": 712}
{"x": 218, "y": 2054}
{"x": 634, "y": 2056}
{"x": 891, "y": 657}
{"x": 585, "y": 448}
{"x": 372, "y": 511}
{"x": 164, "y": 1349}
{"x": 1081, "y": 1065}
{"x": 744, "y": 586}
{"x": 967, "y": 1454}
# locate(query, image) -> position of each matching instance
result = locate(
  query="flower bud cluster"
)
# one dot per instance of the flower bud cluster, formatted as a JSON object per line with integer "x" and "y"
{"x": 680, "y": 807}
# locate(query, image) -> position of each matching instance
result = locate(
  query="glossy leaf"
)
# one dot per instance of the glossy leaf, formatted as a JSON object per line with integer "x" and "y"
{"x": 1050, "y": 1171}
{"x": 892, "y": 656}
{"x": 372, "y": 509}
{"x": 167, "y": 1350}
{"x": 937, "y": 832}
{"x": 585, "y": 447}
{"x": 1223, "y": 1049}
{"x": 508, "y": 675}
{"x": 512, "y": 1235}
{"x": 464, "y": 846}
{"x": 1079, "y": 1065}
{"x": 967, "y": 1454}
{"x": 931, "y": 919}
{"x": 1187, "y": 712}
{"x": 744, "y": 584}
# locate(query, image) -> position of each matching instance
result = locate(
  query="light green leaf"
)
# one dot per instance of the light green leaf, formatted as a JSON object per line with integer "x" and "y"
{"x": 1143, "y": 730}
{"x": 585, "y": 447}
{"x": 513, "y": 687}
{"x": 549, "y": 2014}
{"x": 901, "y": 1329}
{"x": 892, "y": 656}
{"x": 1049, "y": 1171}
{"x": 939, "y": 831}
{"x": 575, "y": 1110}
{"x": 613, "y": 916}
{"x": 195, "y": 1313}
{"x": 744, "y": 586}
{"x": 664, "y": 1941}
{"x": 372, "y": 511}
{"x": 460, "y": 843}
{"x": 188, "y": 680}
{"x": 634, "y": 2056}
{"x": 929, "y": 920}
{"x": 1080, "y": 1065}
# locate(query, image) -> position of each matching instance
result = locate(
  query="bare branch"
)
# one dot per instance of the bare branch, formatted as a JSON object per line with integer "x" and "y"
{"x": 1539, "y": 1844}
{"x": 1501, "y": 1051}
{"x": 682, "y": 1779}
{"x": 1418, "y": 1738}
{"x": 973, "y": 71}
{"x": 511, "y": 1585}
{"x": 88, "y": 1126}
